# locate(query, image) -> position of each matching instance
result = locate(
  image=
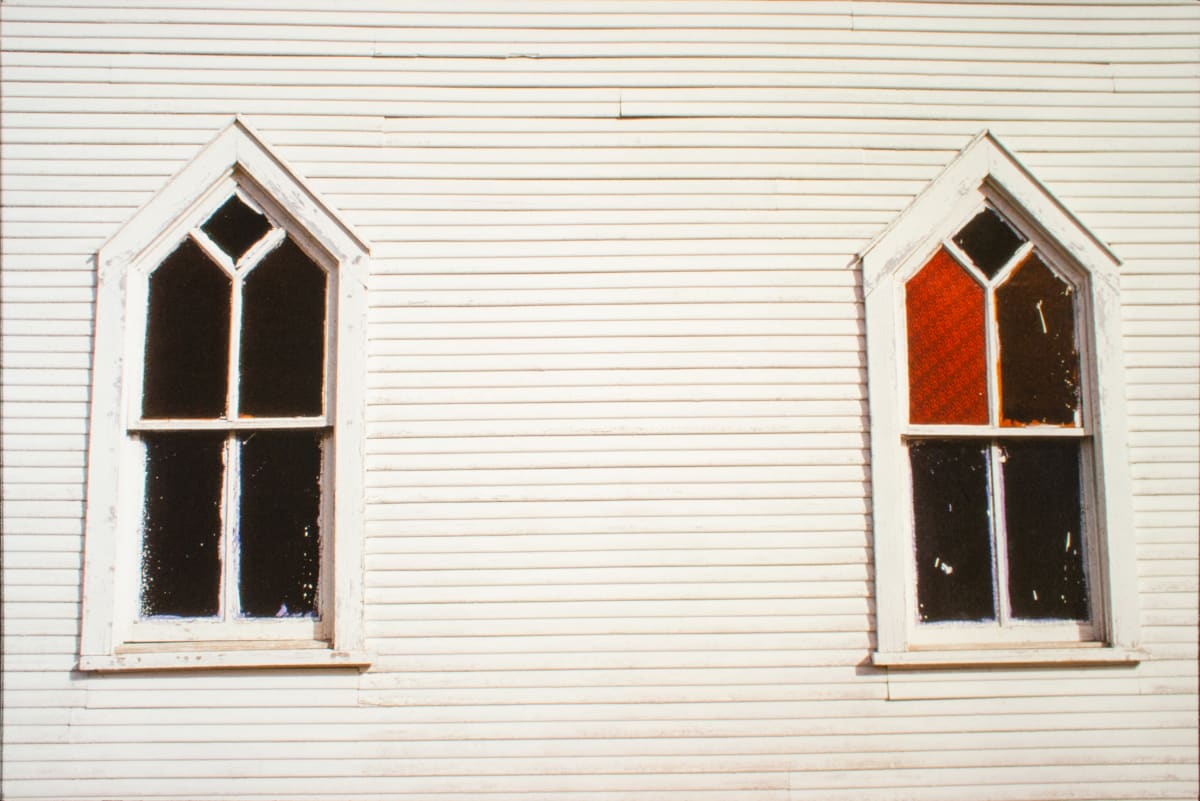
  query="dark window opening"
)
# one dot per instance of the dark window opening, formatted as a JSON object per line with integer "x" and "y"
{"x": 1045, "y": 530}
{"x": 1039, "y": 362}
{"x": 186, "y": 370}
{"x": 235, "y": 227}
{"x": 283, "y": 336}
{"x": 952, "y": 527}
{"x": 181, "y": 540}
{"x": 279, "y": 533}
{"x": 989, "y": 241}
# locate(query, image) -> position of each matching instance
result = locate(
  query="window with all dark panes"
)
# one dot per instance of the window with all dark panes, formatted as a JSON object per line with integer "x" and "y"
{"x": 234, "y": 424}
{"x": 997, "y": 437}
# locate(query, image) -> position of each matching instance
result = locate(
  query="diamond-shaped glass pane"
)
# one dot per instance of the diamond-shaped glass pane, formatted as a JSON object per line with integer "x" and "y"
{"x": 235, "y": 227}
{"x": 989, "y": 241}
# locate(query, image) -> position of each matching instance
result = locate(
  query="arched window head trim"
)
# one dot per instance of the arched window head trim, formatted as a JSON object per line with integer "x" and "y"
{"x": 237, "y": 152}
{"x": 985, "y": 164}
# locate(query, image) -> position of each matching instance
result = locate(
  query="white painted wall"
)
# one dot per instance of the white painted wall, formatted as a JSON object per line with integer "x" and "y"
{"x": 617, "y": 511}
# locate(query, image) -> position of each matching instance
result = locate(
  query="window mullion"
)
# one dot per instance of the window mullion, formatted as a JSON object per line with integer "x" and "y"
{"x": 263, "y": 247}
{"x": 231, "y": 553}
{"x": 1014, "y": 261}
{"x": 962, "y": 258}
{"x": 228, "y": 604}
{"x": 992, "y": 343}
{"x": 235, "y": 349}
{"x": 999, "y": 531}
{"x": 213, "y": 250}
{"x": 230, "y": 550}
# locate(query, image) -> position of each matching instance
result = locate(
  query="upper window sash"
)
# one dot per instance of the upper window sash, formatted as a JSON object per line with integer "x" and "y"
{"x": 1035, "y": 246}
{"x": 238, "y": 272}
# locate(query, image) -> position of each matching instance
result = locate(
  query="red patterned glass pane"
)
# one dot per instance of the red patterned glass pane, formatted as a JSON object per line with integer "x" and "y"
{"x": 947, "y": 356}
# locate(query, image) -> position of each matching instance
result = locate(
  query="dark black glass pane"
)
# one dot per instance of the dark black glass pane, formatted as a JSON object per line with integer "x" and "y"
{"x": 283, "y": 336}
{"x": 187, "y": 337}
{"x": 1045, "y": 530}
{"x": 235, "y": 227}
{"x": 181, "y": 539}
{"x": 1039, "y": 364}
{"x": 953, "y": 538}
{"x": 279, "y": 529}
{"x": 989, "y": 241}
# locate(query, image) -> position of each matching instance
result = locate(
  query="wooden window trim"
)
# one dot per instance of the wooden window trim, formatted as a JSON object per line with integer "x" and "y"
{"x": 987, "y": 173}
{"x": 112, "y": 638}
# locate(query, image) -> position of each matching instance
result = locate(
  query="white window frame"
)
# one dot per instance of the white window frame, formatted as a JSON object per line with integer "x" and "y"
{"x": 113, "y": 637}
{"x": 985, "y": 173}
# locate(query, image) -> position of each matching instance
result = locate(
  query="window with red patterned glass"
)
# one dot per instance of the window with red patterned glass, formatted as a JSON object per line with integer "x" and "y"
{"x": 997, "y": 435}
{"x": 1000, "y": 486}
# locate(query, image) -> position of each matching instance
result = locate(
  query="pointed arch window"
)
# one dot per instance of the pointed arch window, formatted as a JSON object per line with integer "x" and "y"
{"x": 1001, "y": 513}
{"x": 224, "y": 522}
{"x": 997, "y": 518}
{"x": 232, "y": 425}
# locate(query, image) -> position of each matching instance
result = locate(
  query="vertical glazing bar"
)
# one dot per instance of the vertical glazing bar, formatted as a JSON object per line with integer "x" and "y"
{"x": 992, "y": 346}
{"x": 235, "y": 347}
{"x": 230, "y": 548}
{"x": 999, "y": 525}
{"x": 231, "y": 604}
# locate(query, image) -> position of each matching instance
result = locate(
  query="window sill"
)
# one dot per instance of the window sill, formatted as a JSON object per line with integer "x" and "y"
{"x": 1081, "y": 655}
{"x": 218, "y": 657}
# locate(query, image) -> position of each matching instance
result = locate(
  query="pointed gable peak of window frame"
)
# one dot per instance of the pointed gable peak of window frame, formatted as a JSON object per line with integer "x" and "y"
{"x": 239, "y": 153}
{"x": 985, "y": 169}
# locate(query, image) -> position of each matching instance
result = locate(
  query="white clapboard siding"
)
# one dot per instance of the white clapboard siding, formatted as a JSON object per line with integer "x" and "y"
{"x": 617, "y": 520}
